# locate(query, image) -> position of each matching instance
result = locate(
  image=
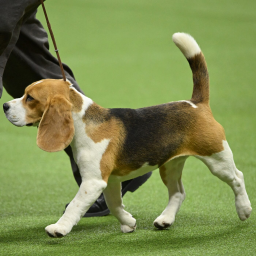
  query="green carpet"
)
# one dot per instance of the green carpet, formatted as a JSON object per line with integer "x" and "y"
{"x": 122, "y": 56}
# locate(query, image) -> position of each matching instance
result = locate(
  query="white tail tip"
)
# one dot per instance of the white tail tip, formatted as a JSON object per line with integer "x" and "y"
{"x": 187, "y": 44}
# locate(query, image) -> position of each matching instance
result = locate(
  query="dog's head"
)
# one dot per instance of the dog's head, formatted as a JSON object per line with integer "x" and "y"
{"x": 45, "y": 104}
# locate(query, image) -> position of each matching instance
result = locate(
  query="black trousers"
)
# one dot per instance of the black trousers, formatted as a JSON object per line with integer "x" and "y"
{"x": 24, "y": 54}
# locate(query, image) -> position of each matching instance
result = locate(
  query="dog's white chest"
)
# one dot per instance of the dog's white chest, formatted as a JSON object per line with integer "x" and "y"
{"x": 87, "y": 153}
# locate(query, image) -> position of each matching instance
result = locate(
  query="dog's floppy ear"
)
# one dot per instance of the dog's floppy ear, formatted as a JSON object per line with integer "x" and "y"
{"x": 56, "y": 128}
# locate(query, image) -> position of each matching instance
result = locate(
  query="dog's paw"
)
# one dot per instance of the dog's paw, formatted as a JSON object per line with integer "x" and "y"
{"x": 129, "y": 225}
{"x": 163, "y": 223}
{"x": 243, "y": 207}
{"x": 56, "y": 230}
{"x": 244, "y": 213}
{"x": 128, "y": 229}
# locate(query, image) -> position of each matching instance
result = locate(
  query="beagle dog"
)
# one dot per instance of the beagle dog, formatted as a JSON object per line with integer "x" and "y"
{"x": 114, "y": 145}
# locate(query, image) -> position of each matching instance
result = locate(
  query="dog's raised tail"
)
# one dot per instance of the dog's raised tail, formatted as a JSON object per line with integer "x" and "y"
{"x": 195, "y": 57}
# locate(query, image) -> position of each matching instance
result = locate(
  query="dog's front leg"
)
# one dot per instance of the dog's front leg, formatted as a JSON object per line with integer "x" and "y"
{"x": 87, "y": 194}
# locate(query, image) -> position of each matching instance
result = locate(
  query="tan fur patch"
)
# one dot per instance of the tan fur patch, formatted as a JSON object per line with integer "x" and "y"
{"x": 76, "y": 100}
{"x": 206, "y": 136}
{"x": 34, "y": 110}
{"x": 56, "y": 128}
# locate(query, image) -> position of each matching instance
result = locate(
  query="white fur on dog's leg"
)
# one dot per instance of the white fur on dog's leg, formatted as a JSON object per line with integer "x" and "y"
{"x": 242, "y": 202}
{"x": 56, "y": 230}
{"x": 88, "y": 193}
{"x": 222, "y": 165}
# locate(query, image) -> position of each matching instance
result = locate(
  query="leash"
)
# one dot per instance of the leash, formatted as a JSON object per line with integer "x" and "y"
{"x": 53, "y": 40}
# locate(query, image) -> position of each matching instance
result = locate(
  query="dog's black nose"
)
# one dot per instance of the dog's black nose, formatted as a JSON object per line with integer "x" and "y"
{"x": 6, "y": 106}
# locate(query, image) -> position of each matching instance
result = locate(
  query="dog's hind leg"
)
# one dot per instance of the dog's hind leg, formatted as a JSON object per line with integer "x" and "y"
{"x": 222, "y": 165}
{"x": 171, "y": 176}
{"x": 113, "y": 198}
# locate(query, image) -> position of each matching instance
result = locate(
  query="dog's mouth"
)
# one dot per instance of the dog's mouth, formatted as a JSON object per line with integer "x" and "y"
{"x": 33, "y": 124}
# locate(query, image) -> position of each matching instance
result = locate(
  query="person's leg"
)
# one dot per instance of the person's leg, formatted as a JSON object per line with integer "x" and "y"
{"x": 12, "y": 15}
{"x": 31, "y": 60}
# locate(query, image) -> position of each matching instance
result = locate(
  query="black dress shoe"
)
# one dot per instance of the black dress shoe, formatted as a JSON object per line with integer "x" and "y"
{"x": 99, "y": 208}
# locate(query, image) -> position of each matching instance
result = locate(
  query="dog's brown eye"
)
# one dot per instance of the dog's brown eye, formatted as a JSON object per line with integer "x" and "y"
{"x": 29, "y": 98}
